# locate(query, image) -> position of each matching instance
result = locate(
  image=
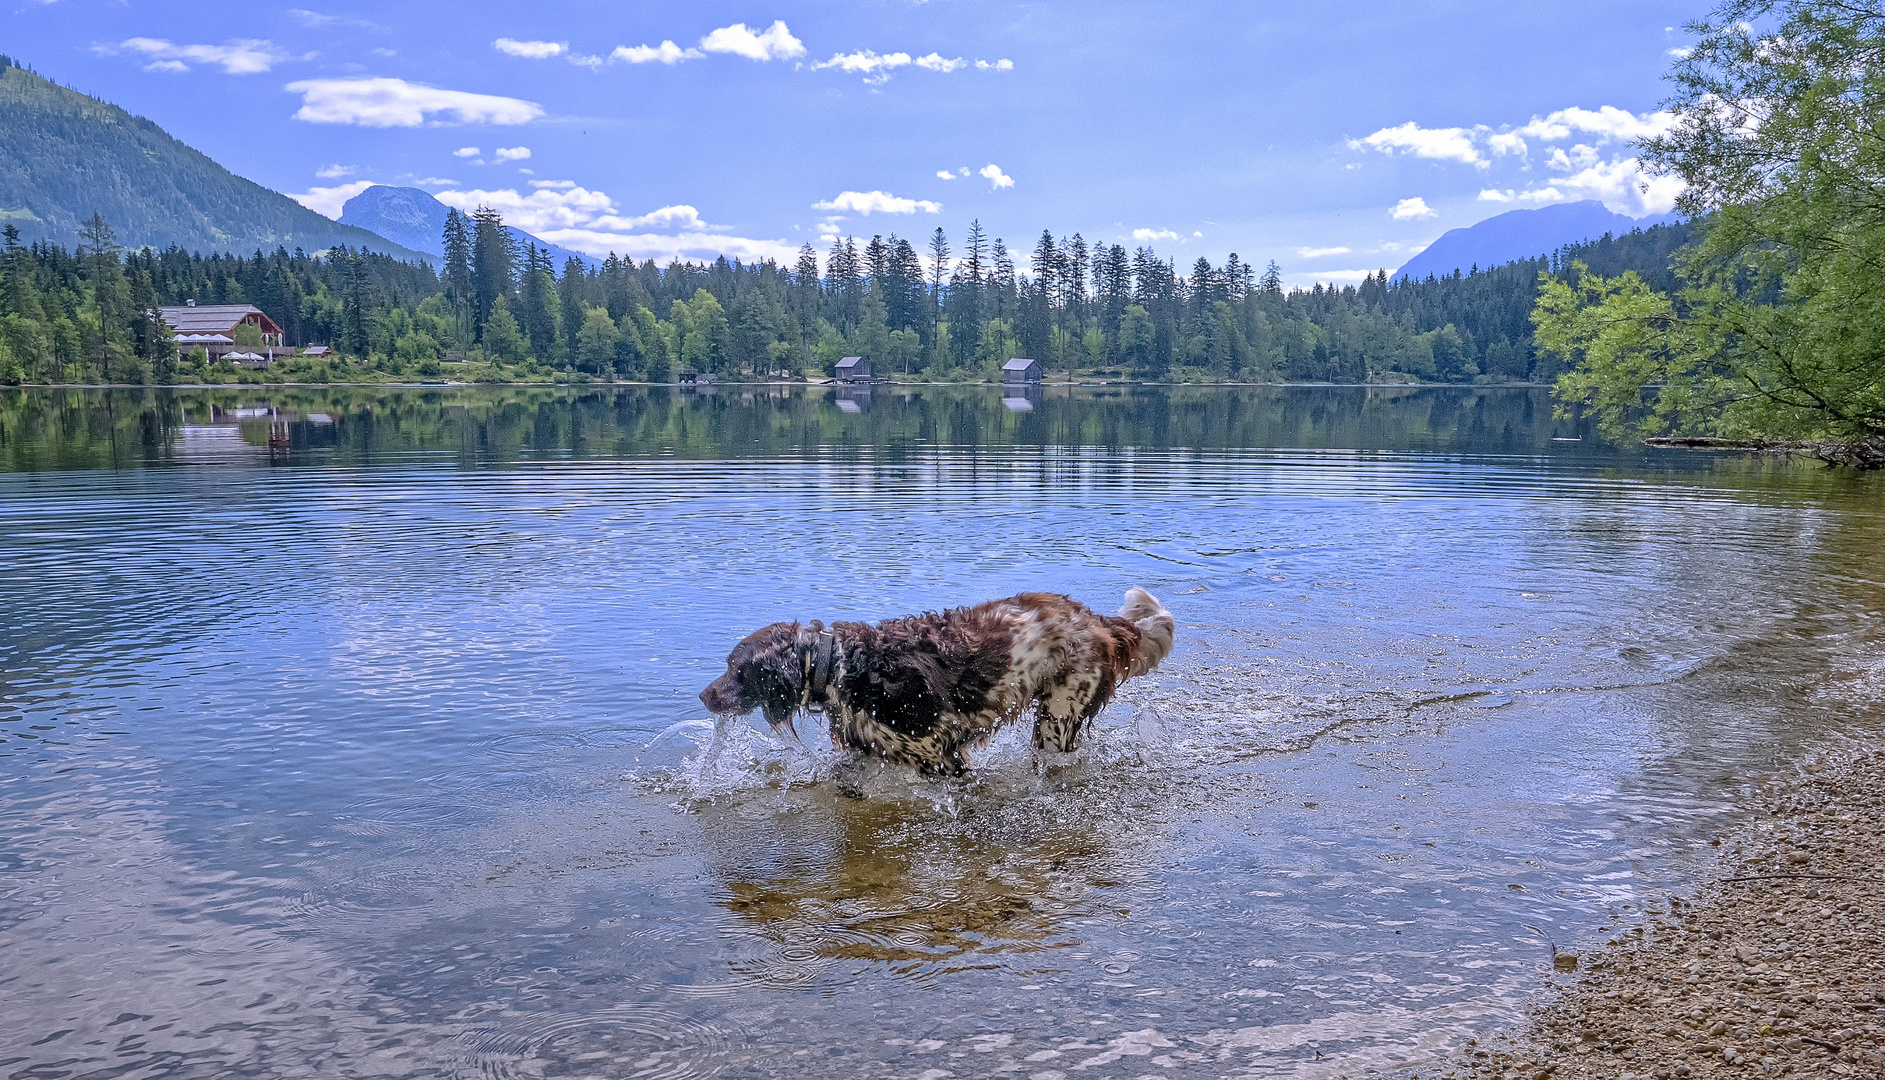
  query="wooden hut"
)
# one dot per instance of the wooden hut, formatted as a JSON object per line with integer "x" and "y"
{"x": 1022, "y": 371}
{"x": 854, "y": 369}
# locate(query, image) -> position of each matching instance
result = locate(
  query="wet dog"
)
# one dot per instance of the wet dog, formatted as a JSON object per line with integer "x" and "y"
{"x": 923, "y": 690}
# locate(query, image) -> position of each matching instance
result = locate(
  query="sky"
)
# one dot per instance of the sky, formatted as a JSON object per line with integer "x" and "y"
{"x": 1332, "y": 139}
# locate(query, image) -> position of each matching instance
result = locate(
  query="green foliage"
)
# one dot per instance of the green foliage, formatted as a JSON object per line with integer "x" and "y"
{"x": 1777, "y": 330}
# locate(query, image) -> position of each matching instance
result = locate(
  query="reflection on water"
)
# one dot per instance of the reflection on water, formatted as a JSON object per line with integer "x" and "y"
{"x": 355, "y": 732}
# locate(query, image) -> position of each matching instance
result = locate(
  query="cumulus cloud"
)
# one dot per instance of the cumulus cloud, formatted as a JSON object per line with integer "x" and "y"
{"x": 565, "y": 213}
{"x": 467, "y": 151}
{"x": 773, "y": 43}
{"x": 513, "y": 153}
{"x": 1323, "y": 252}
{"x": 241, "y": 56}
{"x": 935, "y": 62}
{"x": 998, "y": 65}
{"x": 683, "y": 217}
{"x": 877, "y": 202}
{"x": 1148, "y": 235}
{"x": 864, "y": 62}
{"x": 328, "y": 201}
{"x": 1607, "y": 123}
{"x": 1412, "y": 210}
{"x": 386, "y": 103}
{"x": 688, "y": 247}
{"x": 335, "y": 172}
{"x": 945, "y": 174}
{"x": 535, "y": 211}
{"x": 995, "y": 177}
{"x": 1440, "y": 144}
{"x": 665, "y": 53}
{"x": 531, "y": 50}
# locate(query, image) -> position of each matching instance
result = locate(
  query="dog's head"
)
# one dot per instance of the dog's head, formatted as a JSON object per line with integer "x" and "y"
{"x": 766, "y": 670}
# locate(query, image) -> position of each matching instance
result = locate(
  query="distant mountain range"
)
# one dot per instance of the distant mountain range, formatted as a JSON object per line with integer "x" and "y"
{"x": 65, "y": 156}
{"x": 1521, "y": 234}
{"x": 412, "y": 217}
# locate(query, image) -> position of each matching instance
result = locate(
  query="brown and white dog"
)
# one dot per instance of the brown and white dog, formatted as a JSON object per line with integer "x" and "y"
{"x": 923, "y": 690}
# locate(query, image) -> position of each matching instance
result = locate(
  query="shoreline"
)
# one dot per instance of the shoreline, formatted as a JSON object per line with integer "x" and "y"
{"x": 1775, "y": 968}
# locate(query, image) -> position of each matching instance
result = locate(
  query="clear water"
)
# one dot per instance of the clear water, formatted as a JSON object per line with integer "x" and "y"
{"x": 372, "y": 748}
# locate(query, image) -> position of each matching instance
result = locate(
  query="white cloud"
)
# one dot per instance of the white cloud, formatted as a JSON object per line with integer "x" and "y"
{"x": 319, "y": 21}
{"x": 695, "y": 247}
{"x": 682, "y": 217}
{"x": 665, "y": 53}
{"x": 530, "y": 50}
{"x": 995, "y": 177}
{"x": 999, "y": 65}
{"x": 384, "y": 102}
{"x": 774, "y": 43}
{"x": 1621, "y": 186}
{"x": 335, "y": 172}
{"x": 1680, "y": 54}
{"x": 1541, "y": 195}
{"x": 513, "y": 153}
{"x": 1318, "y": 253}
{"x": 436, "y": 181}
{"x": 1440, "y": 144}
{"x": 467, "y": 151}
{"x": 935, "y": 62}
{"x": 1607, "y": 123}
{"x": 877, "y": 202}
{"x": 864, "y": 62}
{"x": 1327, "y": 276}
{"x": 240, "y": 56}
{"x": 544, "y": 208}
{"x": 1495, "y": 195}
{"x": 1412, "y": 210}
{"x": 327, "y": 201}
{"x": 945, "y": 174}
{"x": 558, "y": 184}
{"x": 1504, "y": 143}
{"x": 1149, "y": 235}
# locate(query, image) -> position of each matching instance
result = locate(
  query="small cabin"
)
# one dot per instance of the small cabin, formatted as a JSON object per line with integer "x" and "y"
{"x": 854, "y": 369}
{"x": 317, "y": 351}
{"x": 1022, "y": 370}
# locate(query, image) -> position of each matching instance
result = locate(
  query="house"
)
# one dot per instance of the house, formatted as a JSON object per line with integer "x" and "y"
{"x": 212, "y": 328}
{"x": 317, "y": 351}
{"x": 1022, "y": 370}
{"x": 854, "y": 369}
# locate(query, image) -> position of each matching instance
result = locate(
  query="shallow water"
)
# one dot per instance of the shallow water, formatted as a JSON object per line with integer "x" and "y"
{"x": 355, "y": 731}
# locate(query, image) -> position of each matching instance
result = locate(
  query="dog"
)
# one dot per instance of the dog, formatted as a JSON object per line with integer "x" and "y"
{"x": 924, "y": 690}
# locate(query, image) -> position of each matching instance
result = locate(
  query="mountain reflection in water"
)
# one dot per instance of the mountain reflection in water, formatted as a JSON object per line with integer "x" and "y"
{"x": 354, "y": 730}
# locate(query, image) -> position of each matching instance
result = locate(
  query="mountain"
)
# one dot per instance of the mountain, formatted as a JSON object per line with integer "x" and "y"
{"x": 1520, "y": 234}
{"x": 414, "y": 218}
{"x": 64, "y": 156}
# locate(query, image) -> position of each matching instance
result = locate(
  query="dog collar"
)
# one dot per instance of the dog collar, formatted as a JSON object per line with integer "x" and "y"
{"x": 818, "y": 666}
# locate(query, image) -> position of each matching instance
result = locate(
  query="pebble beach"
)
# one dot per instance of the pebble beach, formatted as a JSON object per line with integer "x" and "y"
{"x": 1775, "y": 968}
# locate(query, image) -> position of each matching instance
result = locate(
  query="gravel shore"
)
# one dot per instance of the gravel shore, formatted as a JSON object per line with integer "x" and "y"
{"x": 1776, "y": 968}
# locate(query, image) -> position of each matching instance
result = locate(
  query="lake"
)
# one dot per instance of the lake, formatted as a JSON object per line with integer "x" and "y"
{"x": 354, "y": 731}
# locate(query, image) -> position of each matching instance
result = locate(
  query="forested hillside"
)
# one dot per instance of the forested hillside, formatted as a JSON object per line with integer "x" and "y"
{"x": 80, "y": 316}
{"x": 65, "y": 156}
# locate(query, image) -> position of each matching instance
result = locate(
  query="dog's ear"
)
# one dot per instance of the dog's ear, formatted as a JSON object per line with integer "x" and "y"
{"x": 777, "y": 674}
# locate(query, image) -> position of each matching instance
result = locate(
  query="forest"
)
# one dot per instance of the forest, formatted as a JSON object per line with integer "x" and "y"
{"x": 495, "y": 313}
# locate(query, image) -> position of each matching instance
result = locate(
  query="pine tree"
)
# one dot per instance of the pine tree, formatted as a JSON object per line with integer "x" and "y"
{"x": 493, "y": 263}
{"x": 938, "y": 268}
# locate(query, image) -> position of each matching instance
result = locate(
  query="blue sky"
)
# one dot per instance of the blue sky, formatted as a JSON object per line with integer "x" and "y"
{"x": 1334, "y": 139}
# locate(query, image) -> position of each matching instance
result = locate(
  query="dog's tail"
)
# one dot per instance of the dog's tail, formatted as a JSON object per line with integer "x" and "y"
{"x": 1156, "y": 630}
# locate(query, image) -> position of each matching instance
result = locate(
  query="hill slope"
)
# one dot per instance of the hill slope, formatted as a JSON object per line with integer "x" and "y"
{"x": 64, "y": 155}
{"x": 1519, "y": 234}
{"x": 412, "y": 217}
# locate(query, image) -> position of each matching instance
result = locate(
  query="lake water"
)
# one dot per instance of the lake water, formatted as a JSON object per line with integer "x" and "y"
{"x": 354, "y": 732}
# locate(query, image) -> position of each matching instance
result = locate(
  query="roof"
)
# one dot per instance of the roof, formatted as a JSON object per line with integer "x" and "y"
{"x": 852, "y": 361}
{"x": 1019, "y": 363}
{"x": 205, "y": 339}
{"x": 215, "y": 318}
